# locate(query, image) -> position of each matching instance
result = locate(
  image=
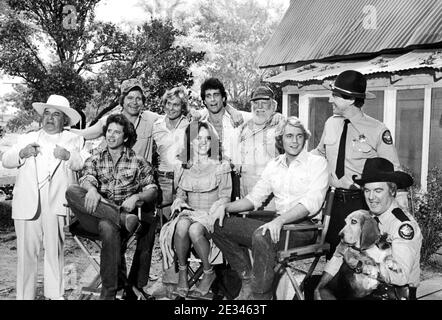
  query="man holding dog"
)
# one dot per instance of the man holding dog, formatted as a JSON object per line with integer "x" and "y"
{"x": 379, "y": 183}
{"x": 350, "y": 137}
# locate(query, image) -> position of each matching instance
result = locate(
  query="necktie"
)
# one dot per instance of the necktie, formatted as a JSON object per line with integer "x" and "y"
{"x": 341, "y": 153}
{"x": 377, "y": 219}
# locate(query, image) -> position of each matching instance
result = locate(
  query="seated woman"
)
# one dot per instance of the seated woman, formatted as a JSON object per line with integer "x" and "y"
{"x": 203, "y": 183}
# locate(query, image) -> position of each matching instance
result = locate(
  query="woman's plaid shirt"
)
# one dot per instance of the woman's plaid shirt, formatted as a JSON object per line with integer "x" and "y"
{"x": 116, "y": 182}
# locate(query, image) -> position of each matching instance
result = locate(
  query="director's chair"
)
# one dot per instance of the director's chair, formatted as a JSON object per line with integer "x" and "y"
{"x": 81, "y": 236}
{"x": 291, "y": 254}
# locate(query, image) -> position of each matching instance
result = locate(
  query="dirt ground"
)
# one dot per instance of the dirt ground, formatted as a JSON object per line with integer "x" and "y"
{"x": 79, "y": 273}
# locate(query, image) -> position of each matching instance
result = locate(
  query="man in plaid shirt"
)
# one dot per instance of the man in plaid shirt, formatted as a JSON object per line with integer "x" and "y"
{"x": 114, "y": 179}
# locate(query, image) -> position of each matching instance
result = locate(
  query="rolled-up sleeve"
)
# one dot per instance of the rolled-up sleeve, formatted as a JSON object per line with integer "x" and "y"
{"x": 89, "y": 173}
{"x": 313, "y": 199}
{"x": 263, "y": 188}
{"x": 146, "y": 178}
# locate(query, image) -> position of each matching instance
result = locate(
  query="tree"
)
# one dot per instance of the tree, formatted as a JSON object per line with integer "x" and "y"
{"x": 55, "y": 46}
{"x": 153, "y": 57}
{"x": 236, "y": 31}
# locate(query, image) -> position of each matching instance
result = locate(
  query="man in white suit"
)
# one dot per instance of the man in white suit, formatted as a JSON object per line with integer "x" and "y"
{"x": 46, "y": 160}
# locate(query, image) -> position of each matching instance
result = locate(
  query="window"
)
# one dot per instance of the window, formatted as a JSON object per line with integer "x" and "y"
{"x": 436, "y": 129}
{"x": 375, "y": 107}
{"x": 320, "y": 110}
{"x": 409, "y": 129}
{"x": 293, "y": 105}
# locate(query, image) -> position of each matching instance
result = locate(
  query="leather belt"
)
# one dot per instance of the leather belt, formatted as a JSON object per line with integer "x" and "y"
{"x": 345, "y": 195}
{"x": 167, "y": 174}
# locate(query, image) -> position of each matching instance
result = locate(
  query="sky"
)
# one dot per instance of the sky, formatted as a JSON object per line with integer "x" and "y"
{"x": 128, "y": 10}
{"x": 125, "y": 12}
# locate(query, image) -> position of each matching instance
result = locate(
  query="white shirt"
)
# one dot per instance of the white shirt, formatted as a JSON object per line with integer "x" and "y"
{"x": 305, "y": 181}
{"x": 169, "y": 142}
{"x": 230, "y": 134}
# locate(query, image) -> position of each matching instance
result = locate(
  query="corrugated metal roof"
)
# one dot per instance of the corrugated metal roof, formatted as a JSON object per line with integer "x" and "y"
{"x": 417, "y": 59}
{"x": 317, "y": 29}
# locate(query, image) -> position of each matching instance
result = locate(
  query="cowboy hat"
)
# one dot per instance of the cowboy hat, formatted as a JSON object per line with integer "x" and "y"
{"x": 382, "y": 170}
{"x": 351, "y": 83}
{"x": 60, "y": 103}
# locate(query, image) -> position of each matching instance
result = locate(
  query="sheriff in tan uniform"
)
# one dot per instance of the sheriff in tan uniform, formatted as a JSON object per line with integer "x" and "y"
{"x": 350, "y": 137}
{"x": 366, "y": 138}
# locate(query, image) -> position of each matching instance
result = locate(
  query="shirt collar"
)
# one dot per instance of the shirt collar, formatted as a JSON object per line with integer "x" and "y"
{"x": 104, "y": 149}
{"x": 301, "y": 158}
{"x": 384, "y": 217}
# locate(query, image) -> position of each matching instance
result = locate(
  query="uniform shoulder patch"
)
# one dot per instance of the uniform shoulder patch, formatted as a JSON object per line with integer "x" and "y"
{"x": 406, "y": 231}
{"x": 400, "y": 215}
{"x": 387, "y": 138}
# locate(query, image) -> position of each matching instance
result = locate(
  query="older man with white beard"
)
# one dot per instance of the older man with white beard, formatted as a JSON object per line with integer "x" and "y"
{"x": 256, "y": 141}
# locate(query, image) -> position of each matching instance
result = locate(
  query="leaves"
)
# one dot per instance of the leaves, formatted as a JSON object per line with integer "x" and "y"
{"x": 429, "y": 215}
{"x": 87, "y": 59}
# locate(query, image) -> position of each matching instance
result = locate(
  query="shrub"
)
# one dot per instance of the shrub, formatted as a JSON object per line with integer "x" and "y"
{"x": 428, "y": 213}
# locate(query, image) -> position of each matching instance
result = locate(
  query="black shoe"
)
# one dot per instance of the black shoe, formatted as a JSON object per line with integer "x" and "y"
{"x": 130, "y": 294}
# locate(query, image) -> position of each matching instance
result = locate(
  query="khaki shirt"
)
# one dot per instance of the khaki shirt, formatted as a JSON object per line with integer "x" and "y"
{"x": 406, "y": 240}
{"x": 143, "y": 127}
{"x": 366, "y": 138}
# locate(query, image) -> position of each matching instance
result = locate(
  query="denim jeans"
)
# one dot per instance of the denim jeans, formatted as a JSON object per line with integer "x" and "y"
{"x": 237, "y": 235}
{"x": 105, "y": 222}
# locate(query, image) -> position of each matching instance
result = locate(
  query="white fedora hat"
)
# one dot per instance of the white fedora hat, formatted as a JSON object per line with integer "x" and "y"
{"x": 60, "y": 103}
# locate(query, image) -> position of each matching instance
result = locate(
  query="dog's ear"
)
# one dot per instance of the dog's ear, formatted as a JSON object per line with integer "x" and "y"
{"x": 370, "y": 232}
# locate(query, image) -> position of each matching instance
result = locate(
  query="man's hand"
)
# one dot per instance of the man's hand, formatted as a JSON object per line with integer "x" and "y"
{"x": 194, "y": 114}
{"x": 274, "y": 228}
{"x": 236, "y": 117}
{"x": 91, "y": 200}
{"x": 31, "y": 150}
{"x": 219, "y": 214}
{"x": 276, "y": 119}
{"x": 61, "y": 153}
{"x": 130, "y": 203}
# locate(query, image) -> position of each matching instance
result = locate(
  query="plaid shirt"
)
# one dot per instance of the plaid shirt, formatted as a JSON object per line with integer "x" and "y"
{"x": 117, "y": 182}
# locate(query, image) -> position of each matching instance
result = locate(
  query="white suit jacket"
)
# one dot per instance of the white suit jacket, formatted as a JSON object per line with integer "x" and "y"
{"x": 26, "y": 194}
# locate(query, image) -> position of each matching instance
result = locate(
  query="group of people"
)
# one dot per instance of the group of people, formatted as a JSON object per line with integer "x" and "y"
{"x": 201, "y": 165}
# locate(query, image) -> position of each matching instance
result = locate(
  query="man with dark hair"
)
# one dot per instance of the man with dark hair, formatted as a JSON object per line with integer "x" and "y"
{"x": 350, "y": 137}
{"x": 221, "y": 115}
{"x": 131, "y": 104}
{"x": 114, "y": 179}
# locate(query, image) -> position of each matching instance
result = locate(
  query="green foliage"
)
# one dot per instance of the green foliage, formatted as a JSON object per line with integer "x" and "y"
{"x": 428, "y": 213}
